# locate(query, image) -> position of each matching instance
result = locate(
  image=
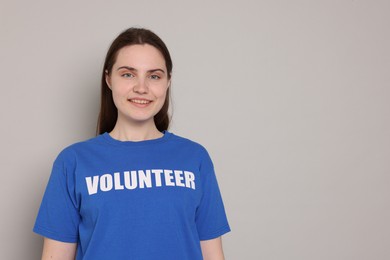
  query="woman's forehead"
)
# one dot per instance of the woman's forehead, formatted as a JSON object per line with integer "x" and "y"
{"x": 144, "y": 54}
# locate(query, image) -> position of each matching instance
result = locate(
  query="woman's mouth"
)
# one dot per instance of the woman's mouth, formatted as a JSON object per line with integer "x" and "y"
{"x": 140, "y": 101}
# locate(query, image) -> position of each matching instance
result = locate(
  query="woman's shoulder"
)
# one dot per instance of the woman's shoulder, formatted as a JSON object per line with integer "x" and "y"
{"x": 70, "y": 152}
{"x": 93, "y": 141}
{"x": 190, "y": 143}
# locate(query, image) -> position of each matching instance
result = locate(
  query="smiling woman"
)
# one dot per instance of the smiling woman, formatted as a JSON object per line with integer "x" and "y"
{"x": 133, "y": 38}
{"x": 168, "y": 206}
{"x": 139, "y": 82}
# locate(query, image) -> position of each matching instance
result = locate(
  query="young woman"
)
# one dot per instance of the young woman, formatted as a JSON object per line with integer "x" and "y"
{"x": 136, "y": 191}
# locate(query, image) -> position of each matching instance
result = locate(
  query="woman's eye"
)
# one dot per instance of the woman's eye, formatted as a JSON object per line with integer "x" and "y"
{"x": 155, "y": 77}
{"x": 127, "y": 75}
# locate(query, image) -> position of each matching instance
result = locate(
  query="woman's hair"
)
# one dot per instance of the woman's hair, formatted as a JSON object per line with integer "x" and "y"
{"x": 108, "y": 111}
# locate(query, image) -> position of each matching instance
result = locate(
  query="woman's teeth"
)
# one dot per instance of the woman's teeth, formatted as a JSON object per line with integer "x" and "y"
{"x": 140, "y": 101}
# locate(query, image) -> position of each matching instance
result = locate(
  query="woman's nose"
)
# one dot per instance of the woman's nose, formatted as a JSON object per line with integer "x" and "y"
{"x": 141, "y": 87}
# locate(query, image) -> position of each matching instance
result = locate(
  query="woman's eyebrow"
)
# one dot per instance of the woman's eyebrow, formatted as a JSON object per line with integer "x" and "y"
{"x": 154, "y": 70}
{"x": 133, "y": 69}
{"x": 126, "y": 67}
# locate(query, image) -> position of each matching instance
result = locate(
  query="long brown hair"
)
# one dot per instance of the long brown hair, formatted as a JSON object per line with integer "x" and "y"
{"x": 108, "y": 111}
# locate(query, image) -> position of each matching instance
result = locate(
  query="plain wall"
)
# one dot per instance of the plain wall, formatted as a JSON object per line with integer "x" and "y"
{"x": 291, "y": 98}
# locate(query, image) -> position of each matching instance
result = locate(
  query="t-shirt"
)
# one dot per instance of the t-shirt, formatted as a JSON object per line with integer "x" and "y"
{"x": 153, "y": 199}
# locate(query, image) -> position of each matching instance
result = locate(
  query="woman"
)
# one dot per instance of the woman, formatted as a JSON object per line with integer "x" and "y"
{"x": 136, "y": 191}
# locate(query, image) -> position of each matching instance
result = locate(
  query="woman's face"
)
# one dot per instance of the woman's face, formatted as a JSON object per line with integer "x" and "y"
{"x": 139, "y": 82}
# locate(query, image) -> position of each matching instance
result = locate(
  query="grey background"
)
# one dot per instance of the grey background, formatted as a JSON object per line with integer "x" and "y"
{"x": 291, "y": 98}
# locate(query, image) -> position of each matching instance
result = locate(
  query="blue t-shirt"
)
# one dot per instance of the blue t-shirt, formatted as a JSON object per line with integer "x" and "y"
{"x": 153, "y": 199}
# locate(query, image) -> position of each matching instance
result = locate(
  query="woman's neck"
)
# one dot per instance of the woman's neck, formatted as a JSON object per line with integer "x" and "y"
{"x": 135, "y": 132}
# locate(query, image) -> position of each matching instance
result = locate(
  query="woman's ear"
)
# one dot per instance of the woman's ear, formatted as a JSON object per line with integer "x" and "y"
{"x": 108, "y": 78}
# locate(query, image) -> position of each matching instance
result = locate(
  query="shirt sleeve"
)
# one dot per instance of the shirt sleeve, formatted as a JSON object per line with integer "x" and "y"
{"x": 211, "y": 220}
{"x": 58, "y": 216}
